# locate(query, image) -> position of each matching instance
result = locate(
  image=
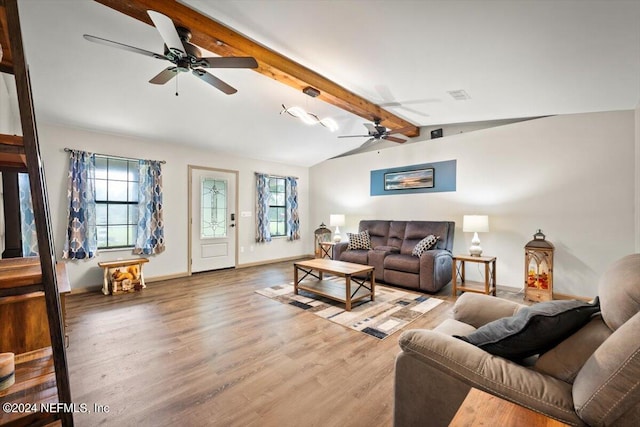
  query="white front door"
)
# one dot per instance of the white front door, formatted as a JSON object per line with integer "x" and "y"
{"x": 213, "y": 219}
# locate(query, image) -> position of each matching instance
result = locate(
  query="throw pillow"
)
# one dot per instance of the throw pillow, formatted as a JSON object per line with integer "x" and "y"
{"x": 360, "y": 240}
{"x": 424, "y": 245}
{"x": 532, "y": 330}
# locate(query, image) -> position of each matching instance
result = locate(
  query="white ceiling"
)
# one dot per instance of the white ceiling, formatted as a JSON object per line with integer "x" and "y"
{"x": 514, "y": 58}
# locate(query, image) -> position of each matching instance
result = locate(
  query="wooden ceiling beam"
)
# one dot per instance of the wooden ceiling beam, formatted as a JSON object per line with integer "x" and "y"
{"x": 221, "y": 40}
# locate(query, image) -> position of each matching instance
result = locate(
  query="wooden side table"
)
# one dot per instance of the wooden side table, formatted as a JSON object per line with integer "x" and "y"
{"x": 326, "y": 249}
{"x": 457, "y": 268}
{"x": 480, "y": 408}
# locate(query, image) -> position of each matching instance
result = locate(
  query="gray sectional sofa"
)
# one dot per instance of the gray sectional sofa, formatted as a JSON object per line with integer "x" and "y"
{"x": 391, "y": 245}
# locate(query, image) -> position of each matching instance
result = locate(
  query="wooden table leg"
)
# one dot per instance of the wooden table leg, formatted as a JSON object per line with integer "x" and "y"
{"x": 373, "y": 286}
{"x": 105, "y": 284}
{"x": 141, "y": 276}
{"x": 493, "y": 277}
{"x": 295, "y": 279}
{"x": 454, "y": 278}
{"x": 487, "y": 279}
{"x": 347, "y": 303}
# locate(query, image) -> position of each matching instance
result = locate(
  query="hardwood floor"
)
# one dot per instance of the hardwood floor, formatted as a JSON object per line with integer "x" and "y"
{"x": 208, "y": 350}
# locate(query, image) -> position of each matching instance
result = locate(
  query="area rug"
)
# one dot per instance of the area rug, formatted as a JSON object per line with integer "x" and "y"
{"x": 392, "y": 310}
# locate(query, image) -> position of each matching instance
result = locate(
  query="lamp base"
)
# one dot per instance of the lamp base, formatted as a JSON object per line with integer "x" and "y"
{"x": 336, "y": 236}
{"x": 475, "y": 249}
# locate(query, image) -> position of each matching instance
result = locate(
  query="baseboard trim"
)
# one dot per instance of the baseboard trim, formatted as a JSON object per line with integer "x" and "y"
{"x": 166, "y": 277}
{"x": 556, "y": 295}
{"x": 567, "y": 296}
{"x": 274, "y": 261}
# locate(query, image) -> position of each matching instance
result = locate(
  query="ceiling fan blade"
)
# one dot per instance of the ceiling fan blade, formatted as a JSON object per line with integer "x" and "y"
{"x": 168, "y": 32}
{"x": 123, "y": 46}
{"x": 354, "y": 136}
{"x": 214, "y": 81}
{"x": 229, "y": 62}
{"x": 394, "y": 139}
{"x": 164, "y": 76}
{"x": 401, "y": 130}
{"x": 368, "y": 142}
{"x": 371, "y": 128}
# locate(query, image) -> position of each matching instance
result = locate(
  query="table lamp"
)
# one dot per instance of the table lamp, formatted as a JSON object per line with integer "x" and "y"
{"x": 475, "y": 224}
{"x": 336, "y": 220}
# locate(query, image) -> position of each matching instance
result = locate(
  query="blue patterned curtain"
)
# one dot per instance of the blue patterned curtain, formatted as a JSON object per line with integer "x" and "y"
{"x": 293, "y": 218}
{"x": 150, "y": 238}
{"x": 263, "y": 234}
{"x": 27, "y": 219}
{"x": 81, "y": 241}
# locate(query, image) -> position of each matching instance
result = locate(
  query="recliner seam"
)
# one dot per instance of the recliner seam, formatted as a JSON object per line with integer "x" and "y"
{"x": 611, "y": 377}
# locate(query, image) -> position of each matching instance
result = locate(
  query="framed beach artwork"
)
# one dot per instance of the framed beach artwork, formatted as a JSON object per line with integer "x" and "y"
{"x": 405, "y": 180}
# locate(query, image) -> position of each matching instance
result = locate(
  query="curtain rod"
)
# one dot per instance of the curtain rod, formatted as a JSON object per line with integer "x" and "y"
{"x": 116, "y": 157}
{"x": 277, "y": 176}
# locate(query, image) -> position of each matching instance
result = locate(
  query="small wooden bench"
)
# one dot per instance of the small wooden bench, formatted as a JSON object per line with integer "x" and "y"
{"x": 107, "y": 265}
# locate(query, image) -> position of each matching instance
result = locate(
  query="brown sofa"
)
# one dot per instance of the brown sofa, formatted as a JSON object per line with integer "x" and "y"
{"x": 590, "y": 378}
{"x": 390, "y": 255}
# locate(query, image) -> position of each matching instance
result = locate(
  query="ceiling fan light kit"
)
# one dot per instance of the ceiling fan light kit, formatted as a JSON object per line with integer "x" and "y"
{"x": 184, "y": 55}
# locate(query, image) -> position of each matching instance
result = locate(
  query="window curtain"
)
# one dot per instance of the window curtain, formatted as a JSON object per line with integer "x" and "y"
{"x": 81, "y": 241}
{"x": 293, "y": 218}
{"x": 27, "y": 218}
{"x": 150, "y": 238}
{"x": 263, "y": 234}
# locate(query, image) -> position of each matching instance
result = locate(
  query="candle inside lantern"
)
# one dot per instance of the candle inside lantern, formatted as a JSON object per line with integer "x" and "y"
{"x": 7, "y": 370}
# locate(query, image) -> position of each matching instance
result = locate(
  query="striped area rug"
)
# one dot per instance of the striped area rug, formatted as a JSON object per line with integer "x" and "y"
{"x": 392, "y": 310}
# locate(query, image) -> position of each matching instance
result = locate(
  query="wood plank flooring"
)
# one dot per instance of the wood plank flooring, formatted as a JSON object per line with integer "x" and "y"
{"x": 208, "y": 351}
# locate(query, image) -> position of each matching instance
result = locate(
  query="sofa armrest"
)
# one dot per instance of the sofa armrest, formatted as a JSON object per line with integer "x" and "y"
{"x": 459, "y": 362}
{"x": 479, "y": 309}
{"x": 435, "y": 269}
{"x": 338, "y": 248}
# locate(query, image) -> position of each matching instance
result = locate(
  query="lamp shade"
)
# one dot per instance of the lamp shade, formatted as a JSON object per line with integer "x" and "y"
{"x": 336, "y": 220}
{"x": 475, "y": 223}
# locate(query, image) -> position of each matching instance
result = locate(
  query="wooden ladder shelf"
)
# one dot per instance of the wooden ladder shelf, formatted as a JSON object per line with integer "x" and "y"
{"x": 41, "y": 375}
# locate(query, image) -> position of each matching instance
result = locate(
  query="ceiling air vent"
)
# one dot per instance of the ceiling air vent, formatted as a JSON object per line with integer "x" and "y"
{"x": 459, "y": 95}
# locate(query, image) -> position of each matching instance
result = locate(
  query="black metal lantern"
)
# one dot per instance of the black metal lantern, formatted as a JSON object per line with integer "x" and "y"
{"x": 322, "y": 234}
{"x": 538, "y": 269}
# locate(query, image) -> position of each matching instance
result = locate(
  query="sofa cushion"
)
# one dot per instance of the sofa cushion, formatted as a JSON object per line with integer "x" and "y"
{"x": 359, "y": 256}
{"x": 399, "y": 262}
{"x": 396, "y": 233}
{"x": 532, "y": 330}
{"x": 565, "y": 360}
{"x": 359, "y": 240}
{"x": 378, "y": 231}
{"x": 418, "y": 230}
{"x": 424, "y": 245}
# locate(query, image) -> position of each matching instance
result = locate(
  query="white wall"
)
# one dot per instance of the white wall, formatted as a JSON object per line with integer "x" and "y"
{"x": 173, "y": 261}
{"x": 9, "y": 115}
{"x": 637, "y": 180}
{"x": 571, "y": 176}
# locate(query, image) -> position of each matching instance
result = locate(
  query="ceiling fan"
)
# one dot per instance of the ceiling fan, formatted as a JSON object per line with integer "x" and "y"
{"x": 377, "y": 133}
{"x": 184, "y": 55}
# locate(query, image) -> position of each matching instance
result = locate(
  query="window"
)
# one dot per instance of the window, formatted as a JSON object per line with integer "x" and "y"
{"x": 116, "y": 202}
{"x": 277, "y": 207}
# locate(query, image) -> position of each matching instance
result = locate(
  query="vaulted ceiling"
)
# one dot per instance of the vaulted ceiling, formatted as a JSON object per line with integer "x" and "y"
{"x": 514, "y": 59}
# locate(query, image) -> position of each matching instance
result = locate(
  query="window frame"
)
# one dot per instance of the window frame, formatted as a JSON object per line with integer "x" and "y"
{"x": 277, "y": 206}
{"x": 131, "y": 202}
